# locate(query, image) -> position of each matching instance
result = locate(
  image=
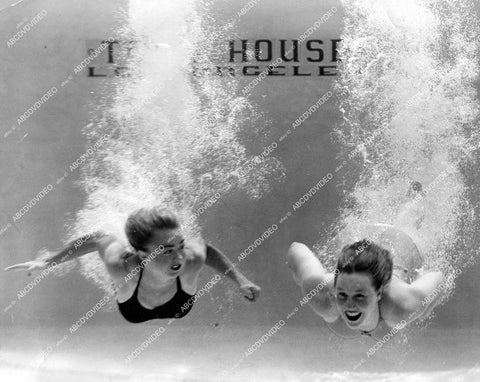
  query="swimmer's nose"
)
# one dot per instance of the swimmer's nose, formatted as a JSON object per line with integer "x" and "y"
{"x": 179, "y": 255}
{"x": 351, "y": 305}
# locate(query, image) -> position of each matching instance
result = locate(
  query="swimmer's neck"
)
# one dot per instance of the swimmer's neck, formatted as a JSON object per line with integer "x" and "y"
{"x": 372, "y": 322}
{"x": 154, "y": 274}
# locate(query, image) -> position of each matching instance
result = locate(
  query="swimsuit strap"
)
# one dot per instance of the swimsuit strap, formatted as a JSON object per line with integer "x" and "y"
{"x": 135, "y": 293}
{"x": 179, "y": 284}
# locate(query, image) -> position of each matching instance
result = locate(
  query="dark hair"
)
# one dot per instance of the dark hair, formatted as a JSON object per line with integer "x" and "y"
{"x": 142, "y": 223}
{"x": 367, "y": 257}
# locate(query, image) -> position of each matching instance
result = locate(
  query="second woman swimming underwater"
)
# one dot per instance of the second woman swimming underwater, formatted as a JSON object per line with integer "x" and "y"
{"x": 158, "y": 278}
{"x": 366, "y": 288}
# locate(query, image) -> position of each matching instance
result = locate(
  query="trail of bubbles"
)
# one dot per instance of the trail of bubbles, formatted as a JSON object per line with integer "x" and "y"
{"x": 174, "y": 138}
{"x": 408, "y": 70}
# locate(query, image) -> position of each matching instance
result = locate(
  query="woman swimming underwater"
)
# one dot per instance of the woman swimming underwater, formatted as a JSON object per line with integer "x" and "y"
{"x": 158, "y": 279}
{"x": 367, "y": 290}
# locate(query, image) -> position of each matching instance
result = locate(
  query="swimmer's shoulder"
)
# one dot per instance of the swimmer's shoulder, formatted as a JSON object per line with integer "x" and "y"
{"x": 118, "y": 258}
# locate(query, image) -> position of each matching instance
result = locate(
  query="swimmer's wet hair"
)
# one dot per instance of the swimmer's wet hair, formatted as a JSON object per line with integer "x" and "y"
{"x": 366, "y": 257}
{"x": 142, "y": 223}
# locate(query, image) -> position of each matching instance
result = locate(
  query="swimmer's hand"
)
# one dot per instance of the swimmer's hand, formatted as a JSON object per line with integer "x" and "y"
{"x": 41, "y": 262}
{"x": 250, "y": 290}
{"x": 29, "y": 266}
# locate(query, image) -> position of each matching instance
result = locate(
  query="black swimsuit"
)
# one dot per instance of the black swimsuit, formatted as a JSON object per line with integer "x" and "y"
{"x": 134, "y": 312}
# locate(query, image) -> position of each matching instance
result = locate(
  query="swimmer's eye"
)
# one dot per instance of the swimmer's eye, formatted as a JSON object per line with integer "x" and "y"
{"x": 360, "y": 297}
{"x": 342, "y": 296}
{"x": 168, "y": 252}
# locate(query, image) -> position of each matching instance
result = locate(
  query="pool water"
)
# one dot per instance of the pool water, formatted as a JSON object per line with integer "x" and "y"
{"x": 200, "y": 353}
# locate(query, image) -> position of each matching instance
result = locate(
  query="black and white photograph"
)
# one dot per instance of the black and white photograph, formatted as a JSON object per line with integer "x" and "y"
{"x": 240, "y": 190}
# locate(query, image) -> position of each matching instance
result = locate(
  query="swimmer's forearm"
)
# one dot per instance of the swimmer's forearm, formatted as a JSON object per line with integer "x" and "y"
{"x": 428, "y": 282}
{"x": 76, "y": 248}
{"x": 302, "y": 261}
{"x": 218, "y": 261}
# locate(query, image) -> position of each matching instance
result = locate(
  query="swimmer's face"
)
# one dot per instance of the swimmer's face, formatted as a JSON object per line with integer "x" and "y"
{"x": 167, "y": 249}
{"x": 356, "y": 298}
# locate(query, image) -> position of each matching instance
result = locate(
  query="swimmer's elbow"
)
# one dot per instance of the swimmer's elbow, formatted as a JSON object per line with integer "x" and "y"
{"x": 427, "y": 283}
{"x": 296, "y": 247}
{"x": 440, "y": 276}
{"x": 440, "y": 284}
{"x": 296, "y": 244}
{"x": 432, "y": 281}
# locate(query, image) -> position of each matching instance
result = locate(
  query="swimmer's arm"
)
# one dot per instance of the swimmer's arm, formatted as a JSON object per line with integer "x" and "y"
{"x": 218, "y": 261}
{"x": 315, "y": 281}
{"x": 424, "y": 294}
{"x": 97, "y": 241}
{"x": 305, "y": 265}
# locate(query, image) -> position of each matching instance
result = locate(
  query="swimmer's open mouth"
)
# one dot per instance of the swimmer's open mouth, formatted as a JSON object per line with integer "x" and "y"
{"x": 176, "y": 267}
{"x": 353, "y": 316}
